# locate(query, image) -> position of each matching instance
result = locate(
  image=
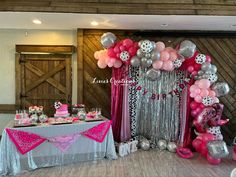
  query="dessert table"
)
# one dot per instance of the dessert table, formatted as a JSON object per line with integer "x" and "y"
{"x": 47, "y": 154}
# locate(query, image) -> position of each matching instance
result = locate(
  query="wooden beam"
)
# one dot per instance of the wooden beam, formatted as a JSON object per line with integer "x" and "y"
{"x": 55, "y": 49}
{"x": 44, "y": 77}
{"x": 80, "y": 66}
{"x": 17, "y": 80}
{"x": 50, "y": 80}
{"x": 8, "y": 108}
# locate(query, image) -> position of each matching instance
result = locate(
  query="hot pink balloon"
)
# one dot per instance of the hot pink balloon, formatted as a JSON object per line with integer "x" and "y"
{"x": 198, "y": 99}
{"x": 127, "y": 43}
{"x": 197, "y": 145}
{"x": 101, "y": 64}
{"x": 168, "y": 65}
{"x": 160, "y": 46}
{"x": 190, "y": 69}
{"x": 173, "y": 55}
{"x": 204, "y": 83}
{"x": 208, "y": 58}
{"x": 164, "y": 55}
{"x": 132, "y": 51}
{"x": 194, "y": 73}
{"x": 157, "y": 64}
{"x": 111, "y": 53}
{"x": 193, "y": 105}
{"x": 204, "y": 92}
{"x": 117, "y": 49}
{"x": 122, "y": 48}
{"x": 212, "y": 160}
{"x": 111, "y": 62}
{"x": 117, "y": 64}
{"x": 194, "y": 113}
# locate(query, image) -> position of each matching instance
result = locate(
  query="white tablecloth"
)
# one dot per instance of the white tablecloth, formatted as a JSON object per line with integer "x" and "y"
{"x": 46, "y": 154}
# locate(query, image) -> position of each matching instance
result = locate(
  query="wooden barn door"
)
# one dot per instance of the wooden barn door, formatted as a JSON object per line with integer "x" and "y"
{"x": 42, "y": 79}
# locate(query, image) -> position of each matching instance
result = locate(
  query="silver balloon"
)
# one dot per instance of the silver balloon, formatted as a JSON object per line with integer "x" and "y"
{"x": 140, "y": 54}
{"x": 108, "y": 39}
{"x": 149, "y": 63}
{"x": 206, "y": 66}
{"x": 162, "y": 144}
{"x": 155, "y": 55}
{"x": 147, "y": 55}
{"x": 200, "y": 72}
{"x": 213, "y": 69}
{"x": 220, "y": 88}
{"x": 135, "y": 61}
{"x": 217, "y": 149}
{"x": 187, "y": 48}
{"x": 208, "y": 72}
{"x": 171, "y": 146}
{"x": 154, "y": 44}
{"x": 153, "y": 74}
{"x": 144, "y": 144}
{"x": 144, "y": 63}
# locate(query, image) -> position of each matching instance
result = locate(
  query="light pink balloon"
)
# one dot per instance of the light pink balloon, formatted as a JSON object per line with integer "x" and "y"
{"x": 212, "y": 93}
{"x": 169, "y": 49}
{"x": 208, "y": 58}
{"x": 96, "y": 55}
{"x": 198, "y": 99}
{"x": 168, "y": 65}
{"x": 117, "y": 64}
{"x": 216, "y": 100}
{"x": 160, "y": 46}
{"x": 173, "y": 55}
{"x": 193, "y": 88}
{"x": 204, "y": 92}
{"x": 101, "y": 64}
{"x": 190, "y": 69}
{"x": 164, "y": 55}
{"x": 197, "y": 91}
{"x": 204, "y": 83}
{"x": 196, "y": 82}
{"x": 111, "y": 62}
{"x": 157, "y": 64}
{"x": 192, "y": 95}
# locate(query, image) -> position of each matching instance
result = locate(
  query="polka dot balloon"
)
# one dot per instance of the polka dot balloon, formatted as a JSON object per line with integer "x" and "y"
{"x": 146, "y": 46}
{"x": 124, "y": 56}
{"x": 207, "y": 101}
{"x": 200, "y": 58}
{"x": 177, "y": 63}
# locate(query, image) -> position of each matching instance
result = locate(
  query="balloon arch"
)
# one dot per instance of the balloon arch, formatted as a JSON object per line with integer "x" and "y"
{"x": 154, "y": 57}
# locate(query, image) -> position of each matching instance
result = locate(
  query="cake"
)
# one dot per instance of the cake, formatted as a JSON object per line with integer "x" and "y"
{"x": 62, "y": 111}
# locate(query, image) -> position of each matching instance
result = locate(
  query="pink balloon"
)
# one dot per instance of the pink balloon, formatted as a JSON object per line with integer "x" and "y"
{"x": 168, "y": 65}
{"x": 198, "y": 110}
{"x": 193, "y": 88}
{"x": 194, "y": 73}
{"x": 216, "y": 100}
{"x": 173, "y": 55}
{"x": 204, "y": 92}
{"x": 212, "y": 93}
{"x": 117, "y": 49}
{"x": 164, "y": 55}
{"x": 204, "y": 150}
{"x": 193, "y": 94}
{"x": 202, "y": 106}
{"x": 101, "y": 64}
{"x": 127, "y": 43}
{"x": 111, "y": 53}
{"x": 160, "y": 46}
{"x": 197, "y": 91}
{"x": 194, "y": 113}
{"x": 117, "y": 64}
{"x": 96, "y": 55}
{"x": 208, "y": 58}
{"x": 190, "y": 69}
{"x": 111, "y": 62}
{"x": 212, "y": 160}
{"x": 204, "y": 83}
{"x": 197, "y": 145}
{"x": 157, "y": 64}
{"x": 122, "y": 48}
{"x": 198, "y": 99}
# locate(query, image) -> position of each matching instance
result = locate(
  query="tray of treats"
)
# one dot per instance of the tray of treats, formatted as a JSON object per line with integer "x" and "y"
{"x": 93, "y": 117}
{"x": 16, "y": 124}
{"x": 60, "y": 121}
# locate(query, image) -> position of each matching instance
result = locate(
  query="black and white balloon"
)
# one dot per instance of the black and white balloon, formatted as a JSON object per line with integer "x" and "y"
{"x": 162, "y": 144}
{"x": 220, "y": 88}
{"x": 187, "y": 48}
{"x": 208, "y": 71}
{"x": 153, "y": 74}
{"x": 200, "y": 58}
{"x": 146, "y": 46}
{"x": 207, "y": 101}
{"x": 124, "y": 56}
{"x": 108, "y": 40}
{"x": 177, "y": 63}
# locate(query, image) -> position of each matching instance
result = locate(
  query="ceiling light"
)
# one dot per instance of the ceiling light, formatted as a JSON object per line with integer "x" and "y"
{"x": 164, "y": 24}
{"x": 94, "y": 23}
{"x": 233, "y": 25}
{"x": 37, "y": 21}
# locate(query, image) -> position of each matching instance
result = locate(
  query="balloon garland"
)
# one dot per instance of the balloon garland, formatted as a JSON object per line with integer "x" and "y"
{"x": 153, "y": 57}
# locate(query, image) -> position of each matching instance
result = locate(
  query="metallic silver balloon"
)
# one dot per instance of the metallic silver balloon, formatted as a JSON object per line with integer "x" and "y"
{"x": 153, "y": 74}
{"x": 208, "y": 72}
{"x": 144, "y": 144}
{"x": 155, "y": 55}
{"x": 171, "y": 146}
{"x": 162, "y": 144}
{"x": 217, "y": 149}
{"x": 200, "y": 72}
{"x": 149, "y": 63}
{"x": 108, "y": 39}
{"x": 144, "y": 62}
{"x": 213, "y": 69}
{"x": 140, "y": 54}
{"x": 220, "y": 88}
{"x": 135, "y": 61}
{"x": 206, "y": 66}
{"x": 187, "y": 48}
{"x": 148, "y": 55}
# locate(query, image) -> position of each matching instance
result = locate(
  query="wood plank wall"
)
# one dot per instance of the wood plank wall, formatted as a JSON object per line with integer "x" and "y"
{"x": 222, "y": 48}
{"x": 158, "y": 7}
